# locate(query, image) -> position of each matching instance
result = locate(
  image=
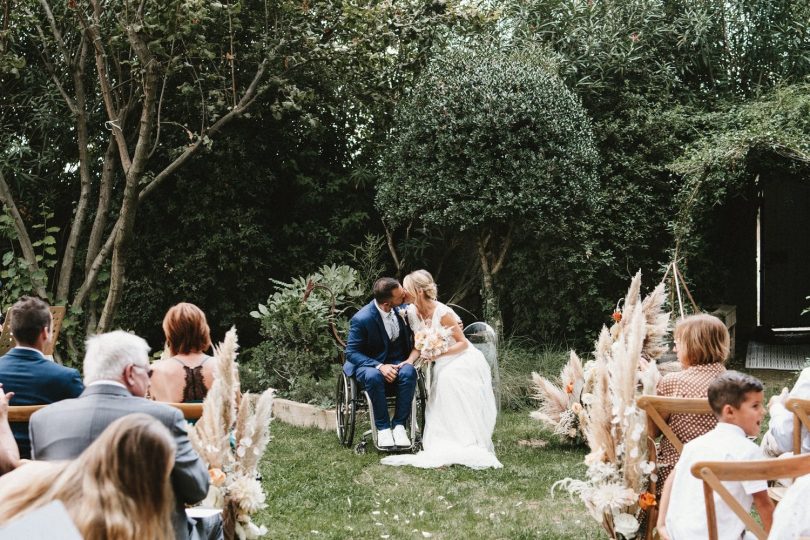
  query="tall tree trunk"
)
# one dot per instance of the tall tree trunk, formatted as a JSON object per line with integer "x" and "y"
{"x": 492, "y": 263}
{"x": 140, "y": 155}
{"x": 492, "y": 312}
{"x": 69, "y": 255}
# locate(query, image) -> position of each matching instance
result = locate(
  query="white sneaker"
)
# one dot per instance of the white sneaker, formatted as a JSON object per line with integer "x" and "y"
{"x": 401, "y": 436}
{"x": 385, "y": 439}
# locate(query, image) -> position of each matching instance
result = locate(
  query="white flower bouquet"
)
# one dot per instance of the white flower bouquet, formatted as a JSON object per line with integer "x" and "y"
{"x": 432, "y": 342}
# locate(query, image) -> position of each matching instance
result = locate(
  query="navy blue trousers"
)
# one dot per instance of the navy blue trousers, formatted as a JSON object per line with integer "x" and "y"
{"x": 403, "y": 387}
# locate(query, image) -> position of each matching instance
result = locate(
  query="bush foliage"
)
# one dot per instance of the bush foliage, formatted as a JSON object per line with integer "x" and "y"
{"x": 298, "y": 355}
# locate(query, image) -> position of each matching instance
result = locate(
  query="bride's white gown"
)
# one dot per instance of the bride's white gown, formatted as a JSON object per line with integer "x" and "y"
{"x": 461, "y": 412}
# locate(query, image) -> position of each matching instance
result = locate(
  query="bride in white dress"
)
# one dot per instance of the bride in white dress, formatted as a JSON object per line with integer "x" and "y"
{"x": 461, "y": 412}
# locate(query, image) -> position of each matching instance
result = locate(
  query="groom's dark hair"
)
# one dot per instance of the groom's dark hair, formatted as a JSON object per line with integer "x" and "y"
{"x": 383, "y": 288}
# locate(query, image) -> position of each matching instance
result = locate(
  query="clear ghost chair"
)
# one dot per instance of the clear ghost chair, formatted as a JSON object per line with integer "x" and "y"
{"x": 484, "y": 338}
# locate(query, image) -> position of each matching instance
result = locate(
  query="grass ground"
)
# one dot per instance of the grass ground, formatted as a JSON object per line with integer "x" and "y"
{"x": 318, "y": 489}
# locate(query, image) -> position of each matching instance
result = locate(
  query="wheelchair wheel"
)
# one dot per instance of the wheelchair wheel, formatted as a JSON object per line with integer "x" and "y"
{"x": 421, "y": 404}
{"x": 345, "y": 408}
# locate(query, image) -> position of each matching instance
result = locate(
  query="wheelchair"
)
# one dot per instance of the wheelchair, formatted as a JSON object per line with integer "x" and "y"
{"x": 351, "y": 400}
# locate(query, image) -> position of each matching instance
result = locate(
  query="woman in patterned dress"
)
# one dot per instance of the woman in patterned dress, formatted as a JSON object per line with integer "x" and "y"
{"x": 702, "y": 345}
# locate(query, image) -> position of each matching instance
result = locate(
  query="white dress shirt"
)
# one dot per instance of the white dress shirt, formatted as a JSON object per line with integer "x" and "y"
{"x": 686, "y": 514}
{"x": 389, "y": 321}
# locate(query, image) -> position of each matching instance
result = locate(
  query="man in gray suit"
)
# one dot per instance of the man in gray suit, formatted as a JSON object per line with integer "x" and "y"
{"x": 116, "y": 375}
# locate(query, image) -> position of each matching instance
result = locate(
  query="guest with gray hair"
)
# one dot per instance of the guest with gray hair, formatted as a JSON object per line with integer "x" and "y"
{"x": 116, "y": 367}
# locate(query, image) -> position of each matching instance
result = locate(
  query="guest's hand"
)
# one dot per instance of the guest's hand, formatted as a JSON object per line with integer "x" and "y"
{"x": 389, "y": 372}
{"x": 5, "y": 397}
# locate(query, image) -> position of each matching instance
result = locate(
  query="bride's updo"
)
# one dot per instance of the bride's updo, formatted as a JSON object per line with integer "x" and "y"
{"x": 420, "y": 282}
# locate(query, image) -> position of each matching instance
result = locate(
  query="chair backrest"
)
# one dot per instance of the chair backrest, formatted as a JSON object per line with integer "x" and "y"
{"x": 713, "y": 473}
{"x": 7, "y": 340}
{"x": 656, "y": 406}
{"x": 800, "y": 409}
{"x": 22, "y": 413}
{"x": 485, "y": 339}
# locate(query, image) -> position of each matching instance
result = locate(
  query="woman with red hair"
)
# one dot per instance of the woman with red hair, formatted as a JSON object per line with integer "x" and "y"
{"x": 188, "y": 373}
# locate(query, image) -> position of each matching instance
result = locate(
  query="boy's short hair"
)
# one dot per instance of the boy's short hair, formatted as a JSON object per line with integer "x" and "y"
{"x": 730, "y": 388}
{"x": 704, "y": 337}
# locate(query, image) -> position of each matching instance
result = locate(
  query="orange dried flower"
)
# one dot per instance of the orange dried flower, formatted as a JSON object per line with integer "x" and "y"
{"x": 217, "y": 476}
{"x": 646, "y": 501}
{"x": 617, "y": 316}
{"x": 569, "y": 388}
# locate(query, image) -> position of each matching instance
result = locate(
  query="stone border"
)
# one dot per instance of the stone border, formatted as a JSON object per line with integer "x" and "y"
{"x": 303, "y": 414}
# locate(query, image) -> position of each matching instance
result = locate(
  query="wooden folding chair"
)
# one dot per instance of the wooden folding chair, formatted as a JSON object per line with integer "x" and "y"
{"x": 801, "y": 418}
{"x": 22, "y": 413}
{"x": 191, "y": 411}
{"x": 713, "y": 473}
{"x": 657, "y": 407}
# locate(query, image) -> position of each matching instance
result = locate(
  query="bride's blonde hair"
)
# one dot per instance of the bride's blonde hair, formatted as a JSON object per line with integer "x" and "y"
{"x": 117, "y": 488}
{"x": 420, "y": 281}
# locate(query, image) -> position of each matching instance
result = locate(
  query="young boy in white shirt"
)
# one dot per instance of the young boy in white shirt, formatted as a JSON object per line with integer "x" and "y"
{"x": 737, "y": 401}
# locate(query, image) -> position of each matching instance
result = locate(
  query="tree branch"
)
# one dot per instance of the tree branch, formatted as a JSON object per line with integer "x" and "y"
{"x": 22, "y": 233}
{"x": 55, "y": 30}
{"x": 43, "y": 53}
{"x": 389, "y": 240}
{"x": 113, "y": 116}
{"x": 247, "y": 100}
{"x": 507, "y": 242}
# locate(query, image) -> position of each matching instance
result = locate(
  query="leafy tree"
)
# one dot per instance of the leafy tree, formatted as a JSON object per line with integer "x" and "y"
{"x": 492, "y": 145}
{"x": 103, "y": 102}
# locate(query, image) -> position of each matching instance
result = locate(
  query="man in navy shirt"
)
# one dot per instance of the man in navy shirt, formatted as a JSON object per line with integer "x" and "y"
{"x": 24, "y": 370}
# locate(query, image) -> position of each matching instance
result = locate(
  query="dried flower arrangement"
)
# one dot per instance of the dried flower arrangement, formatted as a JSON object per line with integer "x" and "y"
{"x": 231, "y": 437}
{"x": 560, "y": 406}
{"x": 615, "y": 489}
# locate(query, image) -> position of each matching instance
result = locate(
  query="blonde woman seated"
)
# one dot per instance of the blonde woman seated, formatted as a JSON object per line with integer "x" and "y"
{"x": 188, "y": 374}
{"x": 460, "y": 413}
{"x": 118, "y": 488}
{"x": 702, "y": 345}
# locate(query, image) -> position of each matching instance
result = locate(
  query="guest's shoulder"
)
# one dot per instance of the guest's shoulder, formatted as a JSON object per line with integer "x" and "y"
{"x": 669, "y": 383}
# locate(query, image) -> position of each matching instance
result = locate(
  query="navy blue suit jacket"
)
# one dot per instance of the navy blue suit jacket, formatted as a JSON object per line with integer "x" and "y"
{"x": 35, "y": 380}
{"x": 368, "y": 344}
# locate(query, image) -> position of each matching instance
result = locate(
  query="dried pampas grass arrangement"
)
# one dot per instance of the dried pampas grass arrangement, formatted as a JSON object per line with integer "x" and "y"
{"x": 624, "y": 367}
{"x": 559, "y": 405}
{"x": 231, "y": 436}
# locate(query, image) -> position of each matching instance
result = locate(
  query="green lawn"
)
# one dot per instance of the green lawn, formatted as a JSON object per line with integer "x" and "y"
{"x": 318, "y": 489}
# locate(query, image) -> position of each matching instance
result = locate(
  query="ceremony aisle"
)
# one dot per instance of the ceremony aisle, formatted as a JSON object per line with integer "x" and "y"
{"x": 317, "y": 489}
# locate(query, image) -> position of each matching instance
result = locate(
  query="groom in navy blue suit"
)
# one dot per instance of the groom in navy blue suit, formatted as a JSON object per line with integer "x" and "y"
{"x": 378, "y": 346}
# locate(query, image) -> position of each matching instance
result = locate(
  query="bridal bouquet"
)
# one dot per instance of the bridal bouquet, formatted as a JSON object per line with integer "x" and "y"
{"x": 616, "y": 490}
{"x": 431, "y": 342}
